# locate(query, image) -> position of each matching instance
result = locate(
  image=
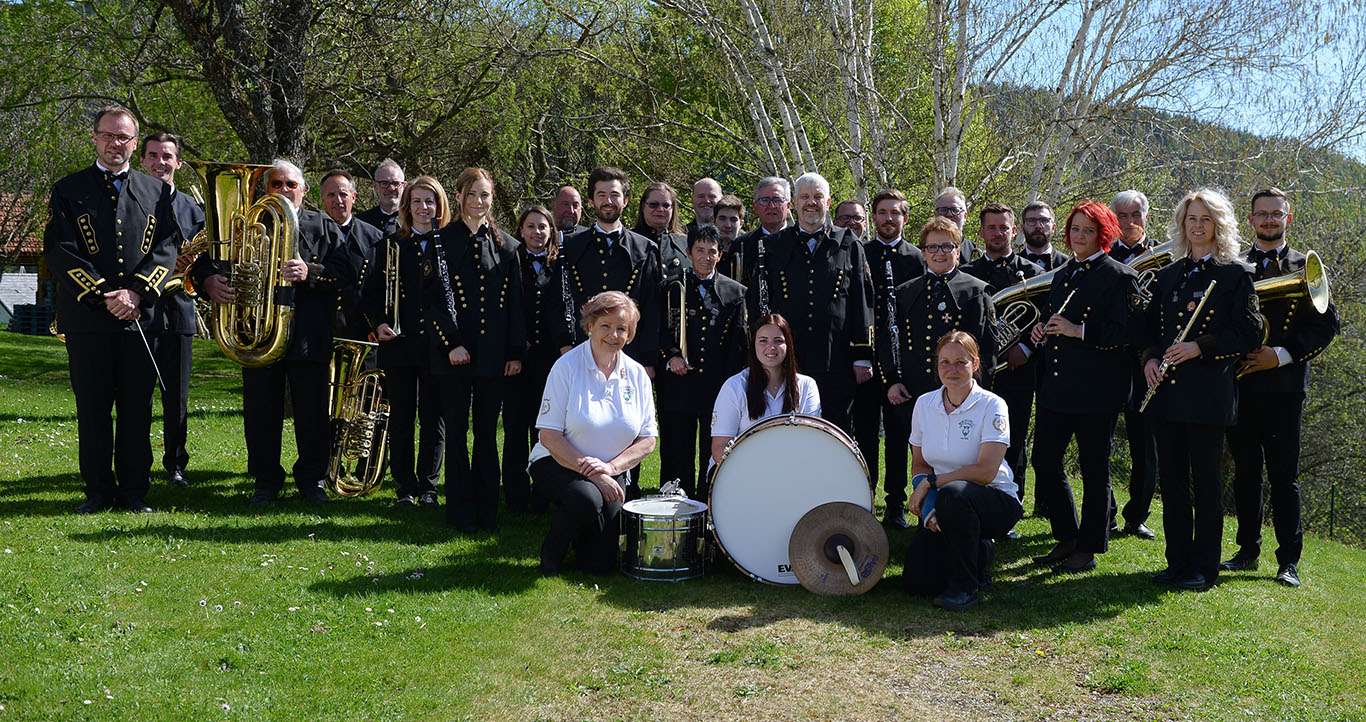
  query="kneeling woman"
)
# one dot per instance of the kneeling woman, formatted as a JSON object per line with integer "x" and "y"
{"x": 959, "y": 436}
{"x": 768, "y": 387}
{"x": 597, "y": 422}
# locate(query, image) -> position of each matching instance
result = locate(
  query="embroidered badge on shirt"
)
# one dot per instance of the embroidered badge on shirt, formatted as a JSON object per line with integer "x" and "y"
{"x": 965, "y": 428}
{"x": 1000, "y": 423}
{"x": 626, "y": 393}
{"x": 545, "y": 406}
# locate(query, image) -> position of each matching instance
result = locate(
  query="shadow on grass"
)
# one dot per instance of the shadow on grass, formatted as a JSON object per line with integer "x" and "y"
{"x": 156, "y": 420}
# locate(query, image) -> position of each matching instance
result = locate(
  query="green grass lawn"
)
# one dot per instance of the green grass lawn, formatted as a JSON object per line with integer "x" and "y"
{"x": 208, "y": 610}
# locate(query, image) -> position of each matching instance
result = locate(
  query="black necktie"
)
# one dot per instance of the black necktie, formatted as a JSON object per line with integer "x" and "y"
{"x": 111, "y": 176}
{"x": 608, "y": 239}
{"x": 1270, "y": 259}
{"x": 1043, "y": 259}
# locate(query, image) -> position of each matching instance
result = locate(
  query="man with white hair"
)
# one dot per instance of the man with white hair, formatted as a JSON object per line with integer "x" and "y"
{"x": 1131, "y": 210}
{"x": 389, "y": 185}
{"x": 320, "y": 269}
{"x": 953, "y": 205}
{"x": 816, "y": 276}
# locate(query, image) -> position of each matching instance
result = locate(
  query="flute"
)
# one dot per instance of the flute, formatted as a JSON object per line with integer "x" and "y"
{"x": 1167, "y": 365}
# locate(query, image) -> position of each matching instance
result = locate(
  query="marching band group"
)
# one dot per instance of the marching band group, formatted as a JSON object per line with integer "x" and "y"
{"x": 571, "y": 335}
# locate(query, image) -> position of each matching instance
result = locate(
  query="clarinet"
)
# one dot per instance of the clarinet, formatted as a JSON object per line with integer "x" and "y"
{"x": 443, "y": 272}
{"x": 893, "y": 334}
{"x": 763, "y": 278}
{"x": 567, "y": 299}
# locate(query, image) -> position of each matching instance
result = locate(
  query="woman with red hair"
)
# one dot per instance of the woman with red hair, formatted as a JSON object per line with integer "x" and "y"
{"x": 1084, "y": 385}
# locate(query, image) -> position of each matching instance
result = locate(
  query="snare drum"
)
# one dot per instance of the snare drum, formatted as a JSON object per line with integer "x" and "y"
{"x": 665, "y": 538}
{"x": 769, "y": 477}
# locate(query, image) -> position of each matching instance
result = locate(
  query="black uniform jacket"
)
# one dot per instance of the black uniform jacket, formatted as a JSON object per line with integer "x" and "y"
{"x": 416, "y": 266}
{"x": 177, "y": 309}
{"x": 99, "y": 240}
{"x": 718, "y": 340}
{"x": 588, "y": 266}
{"x": 538, "y": 305}
{"x": 362, "y": 241}
{"x": 1090, "y": 375}
{"x": 927, "y": 308}
{"x": 1000, "y": 274}
{"x": 314, "y": 299}
{"x": 1049, "y": 260}
{"x": 475, "y": 300}
{"x": 387, "y": 223}
{"x": 674, "y": 260}
{"x": 1295, "y": 325}
{"x": 1124, "y": 254}
{"x": 906, "y": 262}
{"x": 1202, "y": 391}
{"x": 825, "y": 295}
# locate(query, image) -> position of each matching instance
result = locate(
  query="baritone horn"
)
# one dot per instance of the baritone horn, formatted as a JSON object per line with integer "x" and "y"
{"x": 249, "y": 236}
{"x": 360, "y": 421}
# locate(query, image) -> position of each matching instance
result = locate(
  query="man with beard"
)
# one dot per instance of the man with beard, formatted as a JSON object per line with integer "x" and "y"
{"x": 178, "y": 321}
{"x": 953, "y": 205}
{"x": 609, "y": 257}
{"x": 1271, "y": 398}
{"x": 567, "y": 207}
{"x": 816, "y": 276}
{"x": 389, "y": 184}
{"x": 361, "y": 239}
{"x": 1131, "y": 209}
{"x": 850, "y": 214}
{"x": 706, "y": 193}
{"x": 1038, "y": 227}
{"x": 1000, "y": 267}
{"x": 730, "y": 218}
{"x": 892, "y": 261}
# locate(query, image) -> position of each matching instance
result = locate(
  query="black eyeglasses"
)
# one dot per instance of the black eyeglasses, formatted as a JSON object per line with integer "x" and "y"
{"x": 659, "y": 205}
{"x": 939, "y": 248}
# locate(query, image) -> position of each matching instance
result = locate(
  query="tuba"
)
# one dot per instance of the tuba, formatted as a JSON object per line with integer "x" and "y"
{"x": 360, "y": 421}
{"x": 249, "y": 238}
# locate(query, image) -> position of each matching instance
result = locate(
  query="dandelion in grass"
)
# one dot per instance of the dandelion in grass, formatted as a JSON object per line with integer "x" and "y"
{"x": 218, "y": 607}
{"x": 203, "y": 602}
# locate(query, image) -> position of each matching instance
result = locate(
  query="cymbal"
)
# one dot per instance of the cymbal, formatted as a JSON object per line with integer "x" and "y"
{"x": 838, "y": 549}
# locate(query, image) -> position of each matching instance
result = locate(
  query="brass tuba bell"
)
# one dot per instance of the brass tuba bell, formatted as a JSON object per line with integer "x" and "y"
{"x": 249, "y": 236}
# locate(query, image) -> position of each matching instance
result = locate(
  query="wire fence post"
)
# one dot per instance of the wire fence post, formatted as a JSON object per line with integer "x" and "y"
{"x": 1332, "y": 508}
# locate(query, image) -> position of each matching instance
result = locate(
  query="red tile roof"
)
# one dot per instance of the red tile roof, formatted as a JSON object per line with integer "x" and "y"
{"x": 19, "y": 226}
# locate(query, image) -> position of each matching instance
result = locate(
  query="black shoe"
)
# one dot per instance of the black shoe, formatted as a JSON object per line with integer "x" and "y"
{"x": 1061, "y": 551}
{"x": 406, "y": 500}
{"x": 1288, "y": 575}
{"x": 1077, "y": 563}
{"x": 313, "y": 495}
{"x": 137, "y": 506}
{"x": 1166, "y": 577}
{"x": 177, "y": 478}
{"x": 895, "y": 517}
{"x": 428, "y": 499}
{"x": 1193, "y": 583}
{"x": 956, "y": 601}
{"x": 1139, "y": 530}
{"x": 92, "y": 506}
{"x": 263, "y": 496}
{"x": 1240, "y": 563}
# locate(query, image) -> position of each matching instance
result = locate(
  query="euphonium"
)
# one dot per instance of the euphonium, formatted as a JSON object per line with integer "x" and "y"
{"x": 360, "y": 421}
{"x": 1015, "y": 311}
{"x": 249, "y": 238}
{"x": 1147, "y": 265}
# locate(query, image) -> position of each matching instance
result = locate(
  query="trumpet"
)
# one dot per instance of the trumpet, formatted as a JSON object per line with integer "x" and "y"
{"x": 682, "y": 317}
{"x": 392, "y": 289}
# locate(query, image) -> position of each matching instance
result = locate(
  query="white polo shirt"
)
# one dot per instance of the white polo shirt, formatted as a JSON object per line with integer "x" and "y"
{"x": 730, "y": 413}
{"x": 599, "y": 415}
{"x": 952, "y": 440}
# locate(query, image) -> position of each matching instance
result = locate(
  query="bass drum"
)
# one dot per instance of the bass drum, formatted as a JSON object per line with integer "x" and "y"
{"x": 771, "y": 475}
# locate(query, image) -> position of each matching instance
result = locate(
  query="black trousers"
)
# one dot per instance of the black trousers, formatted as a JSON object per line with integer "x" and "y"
{"x": 1189, "y": 457}
{"x": 951, "y": 560}
{"x": 1143, "y": 466}
{"x": 579, "y": 518}
{"x": 872, "y": 411}
{"x": 1095, "y": 435}
{"x": 173, "y": 352}
{"x": 521, "y": 405}
{"x": 837, "y": 396}
{"x": 263, "y": 418}
{"x": 1019, "y": 404}
{"x": 471, "y": 482}
{"x": 112, "y": 374}
{"x": 684, "y": 447}
{"x": 1268, "y": 431}
{"x": 414, "y": 403}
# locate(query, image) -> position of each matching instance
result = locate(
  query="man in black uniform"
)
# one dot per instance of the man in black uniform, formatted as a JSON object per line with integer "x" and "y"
{"x": 730, "y": 218}
{"x": 892, "y": 261}
{"x": 851, "y": 214}
{"x": 175, "y": 311}
{"x": 361, "y": 241}
{"x": 1131, "y": 209}
{"x": 772, "y": 206}
{"x": 111, "y": 242}
{"x": 389, "y": 185}
{"x": 815, "y": 275}
{"x": 1000, "y": 267}
{"x": 609, "y": 257}
{"x": 567, "y": 207}
{"x": 953, "y": 205}
{"x": 938, "y": 301}
{"x": 1038, "y": 225}
{"x": 320, "y": 271}
{"x": 706, "y": 193}
{"x": 717, "y": 337}
{"x": 1271, "y": 398}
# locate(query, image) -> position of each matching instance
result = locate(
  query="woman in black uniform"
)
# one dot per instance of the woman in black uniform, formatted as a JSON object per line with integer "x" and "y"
{"x": 475, "y": 301}
{"x": 536, "y": 256}
{"x": 658, "y": 221}
{"x": 404, "y": 346}
{"x": 1191, "y": 380}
